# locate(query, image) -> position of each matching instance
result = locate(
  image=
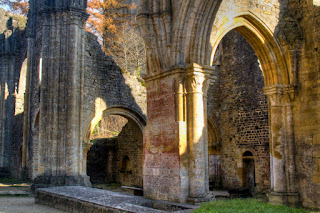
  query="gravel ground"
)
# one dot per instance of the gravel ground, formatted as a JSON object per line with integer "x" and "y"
{"x": 24, "y": 205}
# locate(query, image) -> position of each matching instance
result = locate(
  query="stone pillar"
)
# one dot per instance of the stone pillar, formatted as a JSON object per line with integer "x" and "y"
{"x": 61, "y": 145}
{"x": 165, "y": 154}
{"x": 283, "y": 183}
{"x": 7, "y": 98}
{"x": 197, "y": 83}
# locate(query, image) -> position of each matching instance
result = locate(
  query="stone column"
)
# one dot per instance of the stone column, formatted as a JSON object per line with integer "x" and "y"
{"x": 197, "y": 82}
{"x": 282, "y": 169}
{"x": 7, "y": 96}
{"x": 61, "y": 145}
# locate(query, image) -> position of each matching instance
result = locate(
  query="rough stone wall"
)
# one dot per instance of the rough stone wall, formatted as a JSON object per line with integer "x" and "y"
{"x": 242, "y": 111}
{"x": 130, "y": 144}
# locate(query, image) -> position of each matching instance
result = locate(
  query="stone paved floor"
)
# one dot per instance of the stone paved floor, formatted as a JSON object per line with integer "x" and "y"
{"x": 23, "y": 205}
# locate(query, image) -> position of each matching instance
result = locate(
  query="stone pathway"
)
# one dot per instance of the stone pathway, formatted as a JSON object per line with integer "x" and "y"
{"x": 13, "y": 204}
{"x": 15, "y": 189}
{"x": 17, "y": 198}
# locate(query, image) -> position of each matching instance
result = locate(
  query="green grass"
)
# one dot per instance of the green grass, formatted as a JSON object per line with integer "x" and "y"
{"x": 10, "y": 181}
{"x": 244, "y": 206}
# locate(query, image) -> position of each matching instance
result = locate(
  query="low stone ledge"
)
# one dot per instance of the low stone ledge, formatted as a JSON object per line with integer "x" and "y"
{"x": 84, "y": 199}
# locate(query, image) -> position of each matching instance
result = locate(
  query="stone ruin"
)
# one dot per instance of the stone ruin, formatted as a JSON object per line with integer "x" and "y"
{"x": 231, "y": 99}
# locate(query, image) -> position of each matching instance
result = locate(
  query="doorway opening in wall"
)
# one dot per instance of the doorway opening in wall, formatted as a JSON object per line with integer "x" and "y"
{"x": 114, "y": 161}
{"x": 248, "y": 172}
{"x": 239, "y": 110}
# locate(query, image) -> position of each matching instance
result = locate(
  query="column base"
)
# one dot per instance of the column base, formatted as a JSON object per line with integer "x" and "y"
{"x": 199, "y": 200}
{"x": 50, "y": 181}
{"x": 286, "y": 198}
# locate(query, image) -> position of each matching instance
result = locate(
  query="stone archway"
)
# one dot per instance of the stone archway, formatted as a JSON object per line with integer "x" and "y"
{"x": 179, "y": 74}
{"x": 279, "y": 91}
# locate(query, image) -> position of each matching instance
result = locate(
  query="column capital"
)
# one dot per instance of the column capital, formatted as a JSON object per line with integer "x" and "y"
{"x": 86, "y": 146}
{"x": 197, "y": 83}
{"x": 199, "y": 78}
{"x": 280, "y": 95}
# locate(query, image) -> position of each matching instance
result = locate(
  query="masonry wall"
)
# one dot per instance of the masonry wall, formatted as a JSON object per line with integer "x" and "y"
{"x": 306, "y": 106}
{"x": 129, "y": 144}
{"x": 239, "y": 108}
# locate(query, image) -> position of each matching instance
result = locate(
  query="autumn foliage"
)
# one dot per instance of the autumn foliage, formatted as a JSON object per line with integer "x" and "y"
{"x": 20, "y": 7}
{"x": 113, "y": 22}
{"x": 106, "y": 20}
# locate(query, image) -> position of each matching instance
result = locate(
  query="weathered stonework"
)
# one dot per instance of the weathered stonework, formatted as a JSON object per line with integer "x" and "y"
{"x": 180, "y": 34}
{"x": 71, "y": 84}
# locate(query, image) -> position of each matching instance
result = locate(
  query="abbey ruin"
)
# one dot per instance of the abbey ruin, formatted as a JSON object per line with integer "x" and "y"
{"x": 231, "y": 99}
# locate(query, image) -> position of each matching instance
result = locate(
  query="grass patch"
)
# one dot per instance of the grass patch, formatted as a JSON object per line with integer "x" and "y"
{"x": 244, "y": 206}
{"x": 10, "y": 181}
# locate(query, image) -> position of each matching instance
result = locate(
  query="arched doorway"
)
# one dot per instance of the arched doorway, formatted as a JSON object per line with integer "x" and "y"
{"x": 248, "y": 176}
{"x": 115, "y": 158}
{"x": 214, "y": 153}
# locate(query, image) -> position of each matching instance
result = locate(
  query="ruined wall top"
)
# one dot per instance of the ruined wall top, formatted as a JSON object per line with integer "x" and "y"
{"x": 62, "y": 4}
{"x": 46, "y": 6}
